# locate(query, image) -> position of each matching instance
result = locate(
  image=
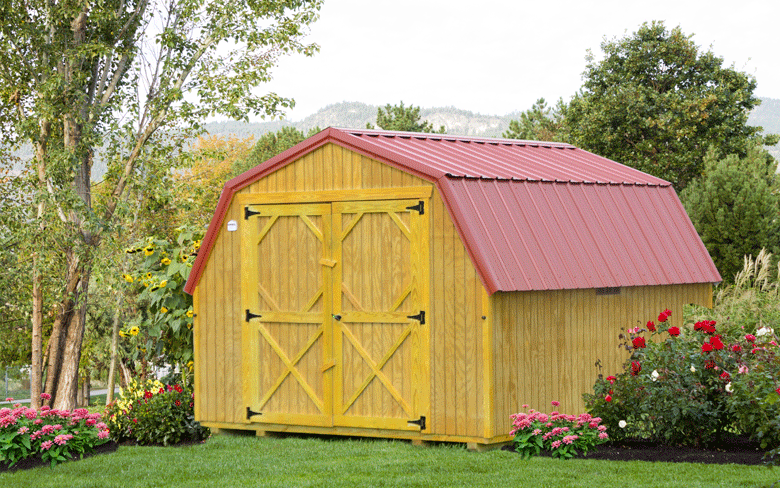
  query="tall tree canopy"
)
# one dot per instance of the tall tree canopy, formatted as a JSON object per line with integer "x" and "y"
{"x": 123, "y": 80}
{"x": 540, "y": 123}
{"x": 269, "y": 145}
{"x": 734, "y": 206}
{"x": 657, "y": 103}
{"x": 407, "y": 119}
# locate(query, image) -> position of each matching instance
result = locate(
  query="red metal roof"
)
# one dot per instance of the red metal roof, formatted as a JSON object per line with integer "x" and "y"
{"x": 532, "y": 215}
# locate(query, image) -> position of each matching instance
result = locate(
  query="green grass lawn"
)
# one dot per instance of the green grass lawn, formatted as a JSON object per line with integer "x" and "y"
{"x": 298, "y": 461}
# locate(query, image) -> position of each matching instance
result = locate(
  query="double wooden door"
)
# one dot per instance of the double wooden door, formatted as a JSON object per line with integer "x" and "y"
{"x": 334, "y": 298}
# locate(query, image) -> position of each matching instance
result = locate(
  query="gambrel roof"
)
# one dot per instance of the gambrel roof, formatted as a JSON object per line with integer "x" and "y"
{"x": 532, "y": 215}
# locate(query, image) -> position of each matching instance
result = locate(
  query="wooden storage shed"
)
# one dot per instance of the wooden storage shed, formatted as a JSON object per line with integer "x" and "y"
{"x": 425, "y": 286}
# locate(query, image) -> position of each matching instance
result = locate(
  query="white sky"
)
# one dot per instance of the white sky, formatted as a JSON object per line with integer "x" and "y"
{"x": 498, "y": 56}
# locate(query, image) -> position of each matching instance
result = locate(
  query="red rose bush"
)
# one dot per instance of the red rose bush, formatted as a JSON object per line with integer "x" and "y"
{"x": 689, "y": 385}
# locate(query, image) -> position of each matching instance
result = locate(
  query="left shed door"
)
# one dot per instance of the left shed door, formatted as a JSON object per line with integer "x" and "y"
{"x": 286, "y": 299}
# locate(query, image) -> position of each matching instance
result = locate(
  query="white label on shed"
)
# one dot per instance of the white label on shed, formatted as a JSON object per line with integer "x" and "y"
{"x": 232, "y": 226}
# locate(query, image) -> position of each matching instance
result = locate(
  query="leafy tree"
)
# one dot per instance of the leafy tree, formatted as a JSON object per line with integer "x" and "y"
{"x": 540, "y": 123}
{"x": 197, "y": 184}
{"x": 735, "y": 207}
{"x": 657, "y": 103}
{"x": 269, "y": 145}
{"x": 126, "y": 81}
{"x": 407, "y": 119}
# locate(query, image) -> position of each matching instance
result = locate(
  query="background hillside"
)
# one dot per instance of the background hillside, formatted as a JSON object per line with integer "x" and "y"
{"x": 455, "y": 121}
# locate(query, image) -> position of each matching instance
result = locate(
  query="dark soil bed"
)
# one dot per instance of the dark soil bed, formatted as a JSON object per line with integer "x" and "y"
{"x": 734, "y": 450}
{"x": 34, "y": 462}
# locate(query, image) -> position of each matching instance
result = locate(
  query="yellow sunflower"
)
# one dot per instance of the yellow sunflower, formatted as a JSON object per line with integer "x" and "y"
{"x": 134, "y": 330}
{"x": 127, "y": 278}
{"x": 165, "y": 261}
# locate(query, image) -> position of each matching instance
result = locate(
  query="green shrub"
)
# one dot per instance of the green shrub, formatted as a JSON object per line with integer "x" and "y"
{"x": 153, "y": 413}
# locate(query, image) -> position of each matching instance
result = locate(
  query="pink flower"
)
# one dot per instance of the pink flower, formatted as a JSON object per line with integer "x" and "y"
{"x": 45, "y": 396}
{"x": 569, "y": 439}
{"x": 555, "y": 403}
{"x": 102, "y": 434}
{"x": 62, "y": 439}
{"x": 525, "y": 405}
{"x": 38, "y": 421}
{"x": 736, "y": 348}
{"x": 23, "y": 430}
{"x": 536, "y": 431}
{"x": 603, "y": 435}
{"x": 611, "y": 379}
{"x": 743, "y": 369}
{"x": 674, "y": 331}
{"x": 46, "y": 445}
{"x": 9, "y": 399}
{"x": 556, "y": 444}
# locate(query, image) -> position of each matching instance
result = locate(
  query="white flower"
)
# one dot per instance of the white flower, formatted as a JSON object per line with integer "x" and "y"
{"x": 764, "y": 331}
{"x": 693, "y": 369}
{"x": 622, "y": 424}
{"x": 655, "y": 375}
{"x": 728, "y": 387}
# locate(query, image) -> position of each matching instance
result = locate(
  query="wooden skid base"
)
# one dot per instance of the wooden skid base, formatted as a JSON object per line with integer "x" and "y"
{"x": 418, "y": 439}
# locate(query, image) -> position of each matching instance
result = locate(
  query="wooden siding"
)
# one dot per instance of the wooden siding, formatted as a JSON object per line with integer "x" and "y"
{"x": 457, "y": 397}
{"x": 546, "y": 343}
{"x": 456, "y": 326}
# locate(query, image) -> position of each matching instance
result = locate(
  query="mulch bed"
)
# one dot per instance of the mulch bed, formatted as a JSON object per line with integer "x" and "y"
{"x": 34, "y": 462}
{"x": 733, "y": 450}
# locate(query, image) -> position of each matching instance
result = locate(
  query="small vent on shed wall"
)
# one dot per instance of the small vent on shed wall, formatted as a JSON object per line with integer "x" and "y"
{"x": 613, "y": 290}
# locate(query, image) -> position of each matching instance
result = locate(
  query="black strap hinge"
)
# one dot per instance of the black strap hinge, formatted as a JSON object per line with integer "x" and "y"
{"x": 419, "y": 317}
{"x": 420, "y": 422}
{"x": 248, "y": 212}
{"x": 250, "y": 315}
{"x": 420, "y": 207}
{"x": 250, "y": 412}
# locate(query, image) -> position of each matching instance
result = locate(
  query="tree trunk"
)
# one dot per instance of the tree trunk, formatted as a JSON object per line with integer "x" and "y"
{"x": 36, "y": 368}
{"x": 68, "y": 381}
{"x": 114, "y": 348}
{"x": 60, "y": 329}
